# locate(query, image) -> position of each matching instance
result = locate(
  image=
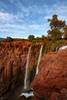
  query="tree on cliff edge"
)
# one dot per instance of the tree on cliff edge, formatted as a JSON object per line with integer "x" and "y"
{"x": 65, "y": 31}
{"x": 56, "y": 28}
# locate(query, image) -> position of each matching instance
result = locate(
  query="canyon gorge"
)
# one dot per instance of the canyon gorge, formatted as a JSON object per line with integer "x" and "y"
{"x": 48, "y": 83}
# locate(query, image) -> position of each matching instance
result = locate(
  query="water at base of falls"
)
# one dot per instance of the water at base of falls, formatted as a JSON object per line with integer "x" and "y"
{"x": 27, "y": 94}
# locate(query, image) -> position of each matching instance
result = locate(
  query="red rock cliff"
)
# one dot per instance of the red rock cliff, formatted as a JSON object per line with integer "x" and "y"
{"x": 51, "y": 82}
{"x": 12, "y": 57}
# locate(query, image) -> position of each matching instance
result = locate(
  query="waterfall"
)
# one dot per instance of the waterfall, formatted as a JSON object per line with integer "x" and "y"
{"x": 26, "y": 83}
{"x": 28, "y": 92}
{"x": 39, "y": 58}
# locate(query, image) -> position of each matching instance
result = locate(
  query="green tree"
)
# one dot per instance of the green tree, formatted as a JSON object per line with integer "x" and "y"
{"x": 56, "y": 23}
{"x": 56, "y": 28}
{"x": 55, "y": 34}
{"x": 65, "y": 31}
{"x": 31, "y": 37}
{"x": 9, "y": 39}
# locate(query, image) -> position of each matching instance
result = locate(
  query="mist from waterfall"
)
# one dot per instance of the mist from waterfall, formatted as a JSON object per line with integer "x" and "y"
{"x": 39, "y": 58}
{"x": 26, "y": 82}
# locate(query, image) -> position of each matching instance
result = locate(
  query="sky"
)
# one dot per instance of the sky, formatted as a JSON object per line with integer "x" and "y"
{"x": 21, "y": 18}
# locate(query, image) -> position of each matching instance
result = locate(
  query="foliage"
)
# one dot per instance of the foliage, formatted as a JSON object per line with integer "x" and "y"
{"x": 65, "y": 31}
{"x": 56, "y": 23}
{"x": 56, "y": 28}
{"x": 54, "y": 46}
{"x": 55, "y": 34}
{"x": 9, "y": 39}
{"x": 31, "y": 37}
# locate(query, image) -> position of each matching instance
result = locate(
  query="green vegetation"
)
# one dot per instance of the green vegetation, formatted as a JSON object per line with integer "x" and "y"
{"x": 65, "y": 31}
{"x": 56, "y": 28}
{"x": 57, "y": 35}
{"x": 9, "y": 39}
{"x": 31, "y": 37}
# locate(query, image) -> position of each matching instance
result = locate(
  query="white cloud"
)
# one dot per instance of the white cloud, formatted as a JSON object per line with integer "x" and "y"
{"x": 7, "y": 17}
{"x": 26, "y": 27}
{"x": 16, "y": 22}
{"x": 22, "y": 30}
{"x": 59, "y": 9}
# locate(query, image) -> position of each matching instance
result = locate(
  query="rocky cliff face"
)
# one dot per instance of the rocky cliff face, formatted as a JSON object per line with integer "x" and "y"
{"x": 12, "y": 64}
{"x": 51, "y": 82}
{"x": 13, "y": 57}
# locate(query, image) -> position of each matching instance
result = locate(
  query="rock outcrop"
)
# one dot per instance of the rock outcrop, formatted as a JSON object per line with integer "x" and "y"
{"x": 51, "y": 82}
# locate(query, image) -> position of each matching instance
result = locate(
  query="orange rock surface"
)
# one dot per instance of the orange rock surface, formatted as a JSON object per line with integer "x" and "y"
{"x": 51, "y": 82}
{"x": 12, "y": 57}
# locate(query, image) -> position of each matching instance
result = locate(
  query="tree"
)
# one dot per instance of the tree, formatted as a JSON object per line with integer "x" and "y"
{"x": 56, "y": 28}
{"x": 31, "y": 37}
{"x": 56, "y": 23}
{"x": 54, "y": 34}
{"x": 65, "y": 31}
{"x": 9, "y": 39}
{"x": 43, "y": 36}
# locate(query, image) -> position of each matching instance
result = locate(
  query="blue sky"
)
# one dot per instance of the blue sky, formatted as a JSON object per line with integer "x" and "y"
{"x": 19, "y": 18}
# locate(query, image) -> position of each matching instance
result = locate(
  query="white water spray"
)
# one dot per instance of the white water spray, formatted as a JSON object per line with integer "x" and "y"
{"x": 39, "y": 58}
{"x": 26, "y": 83}
{"x": 63, "y": 47}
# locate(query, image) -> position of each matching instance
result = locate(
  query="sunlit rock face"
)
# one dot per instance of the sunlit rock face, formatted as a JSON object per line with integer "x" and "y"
{"x": 51, "y": 82}
{"x": 12, "y": 58}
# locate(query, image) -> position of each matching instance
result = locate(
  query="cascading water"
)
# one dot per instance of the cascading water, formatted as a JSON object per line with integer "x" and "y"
{"x": 27, "y": 92}
{"x": 39, "y": 58}
{"x": 26, "y": 82}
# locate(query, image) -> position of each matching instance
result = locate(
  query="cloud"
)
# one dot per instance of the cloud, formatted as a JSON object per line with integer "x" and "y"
{"x": 59, "y": 9}
{"x": 22, "y": 27}
{"x": 16, "y": 19}
{"x": 22, "y": 30}
{"x": 7, "y": 18}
